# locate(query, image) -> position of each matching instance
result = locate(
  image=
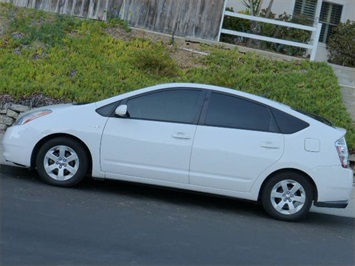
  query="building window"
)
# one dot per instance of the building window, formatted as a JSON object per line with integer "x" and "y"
{"x": 306, "y": 8}
{"x": 330, "y": 16}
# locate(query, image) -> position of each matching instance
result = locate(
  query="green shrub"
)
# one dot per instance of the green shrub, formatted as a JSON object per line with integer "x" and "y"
{"x": 285, "y": 33}
{"x": 152, "y": 58}
{"x": 304, "y": 85}
{"x": 87, "y": 64}
{"x": 341, "y": 45}
{"x": 236, "y": 24}
{"x": 117, "y": 22}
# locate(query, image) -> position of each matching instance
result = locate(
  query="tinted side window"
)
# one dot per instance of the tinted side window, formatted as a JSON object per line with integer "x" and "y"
{"x": 171, "y": 106}
{"x": 229, "y": 111}
{"x": 288, "y": 124}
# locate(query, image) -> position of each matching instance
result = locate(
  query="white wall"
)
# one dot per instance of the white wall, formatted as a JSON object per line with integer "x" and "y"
{"x": 348, "y": 9}
{"x": 287, "y": 6}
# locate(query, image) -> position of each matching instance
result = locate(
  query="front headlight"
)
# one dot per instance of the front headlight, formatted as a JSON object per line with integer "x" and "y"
{"x": 30, "y": 116}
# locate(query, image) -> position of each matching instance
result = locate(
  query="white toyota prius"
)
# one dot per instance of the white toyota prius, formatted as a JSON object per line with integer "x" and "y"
{"x": 191, "y": 136}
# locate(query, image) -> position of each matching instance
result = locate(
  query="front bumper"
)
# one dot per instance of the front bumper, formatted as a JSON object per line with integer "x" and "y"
{"x": 18, "y": 144}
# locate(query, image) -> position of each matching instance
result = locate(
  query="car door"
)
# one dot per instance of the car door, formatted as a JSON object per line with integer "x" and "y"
{"x": 155, "y": 140}
{"x": 236, "y": 141}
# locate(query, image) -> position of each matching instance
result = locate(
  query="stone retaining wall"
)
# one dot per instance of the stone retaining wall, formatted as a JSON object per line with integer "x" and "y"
{"x": 9, "y": 113}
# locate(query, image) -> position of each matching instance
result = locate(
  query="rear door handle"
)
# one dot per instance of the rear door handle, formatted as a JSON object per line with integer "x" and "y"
{"x": 269, "y": 145}
{"x": 180, "y": 135}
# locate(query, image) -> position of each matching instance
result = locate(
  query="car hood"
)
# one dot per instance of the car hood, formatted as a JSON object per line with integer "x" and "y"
{"x": 48, "y": 107}
{"x": 53, "y": 107}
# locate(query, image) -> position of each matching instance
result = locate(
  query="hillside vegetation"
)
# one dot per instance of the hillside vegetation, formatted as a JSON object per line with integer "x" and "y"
{"x": 80, "y": 60}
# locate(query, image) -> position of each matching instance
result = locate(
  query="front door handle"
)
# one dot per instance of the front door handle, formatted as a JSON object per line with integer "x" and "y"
{"x": 180, "y": 135}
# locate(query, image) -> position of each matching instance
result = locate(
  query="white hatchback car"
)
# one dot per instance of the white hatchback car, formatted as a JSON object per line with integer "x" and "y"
{"x": 191, "y": 136}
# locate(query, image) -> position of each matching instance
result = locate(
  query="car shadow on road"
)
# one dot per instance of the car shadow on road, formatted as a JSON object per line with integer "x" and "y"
{"x": 106, "y": 190}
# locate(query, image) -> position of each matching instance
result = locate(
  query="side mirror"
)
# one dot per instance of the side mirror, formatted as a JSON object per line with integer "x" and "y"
{"x": 121, "y": 110}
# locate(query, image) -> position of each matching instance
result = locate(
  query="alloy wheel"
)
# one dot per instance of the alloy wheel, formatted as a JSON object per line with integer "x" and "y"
{"x": 61, "y": 163}
{"x": 288, "y": 197}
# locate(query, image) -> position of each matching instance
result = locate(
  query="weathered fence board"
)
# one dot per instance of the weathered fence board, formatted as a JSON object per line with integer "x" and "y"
{"x": 194, "y": 18}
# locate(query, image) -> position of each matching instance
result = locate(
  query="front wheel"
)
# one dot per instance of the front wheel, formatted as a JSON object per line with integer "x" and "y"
{"x": 287, "y": 196}
{"x": 62, "y": 162}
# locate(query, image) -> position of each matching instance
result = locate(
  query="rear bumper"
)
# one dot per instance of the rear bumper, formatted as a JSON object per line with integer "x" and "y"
{"x": 334, "y": 186}
{"x": 341, "y": 204}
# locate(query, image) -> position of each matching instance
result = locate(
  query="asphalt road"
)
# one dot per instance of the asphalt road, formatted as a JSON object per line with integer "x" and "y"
{"x": 118, "y": 223}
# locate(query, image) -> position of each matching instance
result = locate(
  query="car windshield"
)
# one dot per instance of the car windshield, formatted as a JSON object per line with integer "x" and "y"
{"x": 81, "y": 103}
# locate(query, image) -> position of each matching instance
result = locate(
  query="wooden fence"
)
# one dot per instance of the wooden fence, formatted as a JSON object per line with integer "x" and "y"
{"x": 193, "y": 18}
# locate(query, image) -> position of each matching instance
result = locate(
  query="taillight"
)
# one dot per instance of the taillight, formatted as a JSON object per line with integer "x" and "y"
{"x": 343, "y": 153}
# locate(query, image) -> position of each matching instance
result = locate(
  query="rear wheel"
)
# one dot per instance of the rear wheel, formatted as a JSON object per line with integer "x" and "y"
{"x": 287, "y": 196}
{"x": 62, "y": 162}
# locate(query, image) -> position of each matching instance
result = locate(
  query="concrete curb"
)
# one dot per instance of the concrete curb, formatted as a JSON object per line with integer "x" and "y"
{"x": 347, "y": 212}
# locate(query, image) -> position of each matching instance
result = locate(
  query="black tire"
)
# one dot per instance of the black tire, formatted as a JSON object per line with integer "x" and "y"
{"x": 62, "y": 162}
{"x": 287, "y": 196}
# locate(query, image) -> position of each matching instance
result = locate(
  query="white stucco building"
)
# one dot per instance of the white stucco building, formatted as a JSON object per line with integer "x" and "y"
{"x": 329, "y": 12}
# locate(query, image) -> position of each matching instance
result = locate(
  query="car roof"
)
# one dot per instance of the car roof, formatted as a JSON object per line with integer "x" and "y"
{"x": 256, "y": 98}
{"x": 197, "y": 86}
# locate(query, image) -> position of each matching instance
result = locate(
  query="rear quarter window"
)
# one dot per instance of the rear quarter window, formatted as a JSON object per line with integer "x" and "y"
{"x": 287, "y": 123}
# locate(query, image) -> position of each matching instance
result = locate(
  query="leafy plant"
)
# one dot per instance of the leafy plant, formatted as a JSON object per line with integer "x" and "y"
{"x": 341, "y": 45}
{"x": 117, "y": 22}
{"x": 88, "y": 64}
{"x": 236, "y": 24}
{"x": 284, "y": 33}
{"x": 154, "y": 60}
{"x": 304, "y": 85}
